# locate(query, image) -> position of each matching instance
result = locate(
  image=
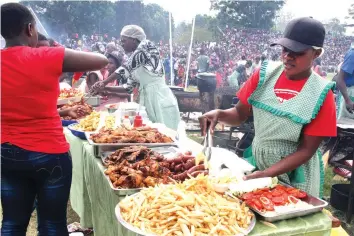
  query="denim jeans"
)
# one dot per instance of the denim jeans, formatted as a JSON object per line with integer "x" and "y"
{"x": 26, "y": 175}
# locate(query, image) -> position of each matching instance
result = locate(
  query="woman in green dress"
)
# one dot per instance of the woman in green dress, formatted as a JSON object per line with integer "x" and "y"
{"x": 144, "y": 70}
{"x": 293, "y": 110}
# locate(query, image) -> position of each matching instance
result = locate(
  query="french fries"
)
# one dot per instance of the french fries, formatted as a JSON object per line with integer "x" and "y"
{"x": 190, "y": 208}
{"x": 110, "y": 122}
{"x": 89, "y": 123}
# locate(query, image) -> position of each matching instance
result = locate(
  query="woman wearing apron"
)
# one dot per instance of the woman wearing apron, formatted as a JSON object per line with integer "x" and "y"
{"x": 144, "y": 69}
{"x": 293, "y": 110}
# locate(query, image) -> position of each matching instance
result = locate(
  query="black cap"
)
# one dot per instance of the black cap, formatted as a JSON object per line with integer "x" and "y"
{"x": 301, "y": 34}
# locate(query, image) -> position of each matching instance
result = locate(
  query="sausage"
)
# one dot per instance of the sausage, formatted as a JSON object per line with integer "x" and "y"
{"x": 176, "y": 159}
{"x": 196, "y": 168}
{"x": 188, "y": 153}
{"x": 189, "y": 164}
{"x": 196, "y": 173}
{"x": 181, "y": 176}
{"x": 187, "y": 158}
{"x": 179, "y": 167}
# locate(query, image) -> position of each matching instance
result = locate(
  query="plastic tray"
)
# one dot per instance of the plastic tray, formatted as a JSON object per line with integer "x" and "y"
{"x": 118, "y": 145}
{"x": 318, "y": 205}
{"x": 125, "y": 192}
{"x": 77, "y": 133}
{"x": 68, "y": 122}
{"x": 67, "y": 100}
{"x": 141, "y": 233}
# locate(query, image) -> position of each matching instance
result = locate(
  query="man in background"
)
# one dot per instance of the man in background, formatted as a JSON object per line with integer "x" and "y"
{"x": 345, "y": 84}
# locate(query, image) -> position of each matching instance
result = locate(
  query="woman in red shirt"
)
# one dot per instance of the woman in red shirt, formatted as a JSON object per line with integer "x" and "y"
{"x": 34, "y": 152}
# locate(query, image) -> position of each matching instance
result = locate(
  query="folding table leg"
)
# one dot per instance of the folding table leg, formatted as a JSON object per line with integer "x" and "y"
{"x": 351, "y": 196}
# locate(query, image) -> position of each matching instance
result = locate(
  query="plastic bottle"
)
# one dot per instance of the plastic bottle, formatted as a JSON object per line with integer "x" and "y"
{"x": 126, "y": 122}
{"x": 138, "y": 121}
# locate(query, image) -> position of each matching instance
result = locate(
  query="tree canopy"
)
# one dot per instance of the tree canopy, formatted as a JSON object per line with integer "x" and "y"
{"x": 334, "y": 27}
{"x": 103, "y": 17}
{"x": 248, "y": 14}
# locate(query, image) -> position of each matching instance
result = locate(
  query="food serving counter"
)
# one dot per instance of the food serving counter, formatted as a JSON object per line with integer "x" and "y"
{"x": 94, "y": 201}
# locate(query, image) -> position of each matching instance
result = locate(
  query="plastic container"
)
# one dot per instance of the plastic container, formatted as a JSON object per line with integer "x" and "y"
{"x": 126, "y": 122}
{"x": 138, "y": 121}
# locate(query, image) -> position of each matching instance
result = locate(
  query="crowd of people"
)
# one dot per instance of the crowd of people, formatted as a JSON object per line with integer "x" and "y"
{"x": 247, "y": 45}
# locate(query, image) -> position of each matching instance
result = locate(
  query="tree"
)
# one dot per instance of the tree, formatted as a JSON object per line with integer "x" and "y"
{"x": 351, "y": 11}
{"x": 334, "y": 27}
{"x": 249, "y": 14}
{"x": 100, "y": 17}
{"x": 282, "y": 20}
{"x": 156, "y": 22}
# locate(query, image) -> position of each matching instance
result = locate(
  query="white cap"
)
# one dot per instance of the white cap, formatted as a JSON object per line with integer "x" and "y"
{"x": 133, "y": 31}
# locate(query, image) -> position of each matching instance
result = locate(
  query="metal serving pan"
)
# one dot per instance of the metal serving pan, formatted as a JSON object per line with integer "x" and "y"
{"x": 100, "y": 148}
{"x": 130, "y": 191}
{"x": 317, "y": 203}
{"x": 93, "y": 101}
{"x": 139, "y": 232}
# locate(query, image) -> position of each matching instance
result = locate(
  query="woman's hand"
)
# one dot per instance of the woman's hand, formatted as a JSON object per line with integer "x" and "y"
{"x": 76, "y": 112}
{"x": 97, "y": 87}
{"x": 256, "y": 175}
{"x": 210, "y": 117}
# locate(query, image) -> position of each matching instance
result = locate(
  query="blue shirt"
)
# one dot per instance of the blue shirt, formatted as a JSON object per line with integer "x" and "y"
{"x": 348, "y": 68}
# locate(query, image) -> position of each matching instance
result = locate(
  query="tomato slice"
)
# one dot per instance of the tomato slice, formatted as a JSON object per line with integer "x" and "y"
{"x": 258, "y": 203}
{"x": 302, "y": 195}
{"x": 278, "y": 201}
{"x": 276, "y": 193}
{"x": 251, "y": 204}
{"x": 247, "y": 196}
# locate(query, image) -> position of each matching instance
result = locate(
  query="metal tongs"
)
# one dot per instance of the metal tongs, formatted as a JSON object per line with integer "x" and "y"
{"x": 207, "y": 144}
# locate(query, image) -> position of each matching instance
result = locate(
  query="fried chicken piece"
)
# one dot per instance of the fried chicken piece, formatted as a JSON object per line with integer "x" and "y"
{"x": 150, "y": 181}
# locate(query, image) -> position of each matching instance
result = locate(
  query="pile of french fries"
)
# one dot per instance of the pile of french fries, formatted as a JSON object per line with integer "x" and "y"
{"x": 190, "y": 208}
{"x": 89, "y": 123}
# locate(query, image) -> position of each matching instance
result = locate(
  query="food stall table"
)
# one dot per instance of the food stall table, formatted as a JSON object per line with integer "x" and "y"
{"x": 94, "y": 201}
{"x": 345, "y": 129}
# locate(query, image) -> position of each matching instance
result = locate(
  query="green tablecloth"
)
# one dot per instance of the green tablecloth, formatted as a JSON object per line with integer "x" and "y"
{"x": 94, "y": 201}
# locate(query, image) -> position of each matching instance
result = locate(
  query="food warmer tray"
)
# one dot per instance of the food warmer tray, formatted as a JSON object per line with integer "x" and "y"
{"x": 141, "y": 233}
{"x": 130, "y": 191}
{"x": 100, "y": 148}
{"x": 318, "y": 205}
{"x": 162, "y": 150}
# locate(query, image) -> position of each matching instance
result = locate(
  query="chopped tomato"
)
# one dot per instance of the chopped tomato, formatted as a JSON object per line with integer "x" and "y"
{"x": 278, "y": 201}
{"x": 247, "y": 196}
{"x": 276, "y": 193}
{"x": 257, "y": 203}
{"x": 268, "y": 207}
{"x": 302, "y": 194}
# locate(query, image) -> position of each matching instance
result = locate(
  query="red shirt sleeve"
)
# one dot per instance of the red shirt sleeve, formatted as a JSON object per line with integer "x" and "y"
{"x": 325, "y": 123}
{"x": 248, "y": 88}
{"x": 50, "y": 59}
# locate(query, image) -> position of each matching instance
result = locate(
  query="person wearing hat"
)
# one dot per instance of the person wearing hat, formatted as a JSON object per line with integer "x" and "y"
{"x": 144, "y": 70}
{"x": 293, "y": 110}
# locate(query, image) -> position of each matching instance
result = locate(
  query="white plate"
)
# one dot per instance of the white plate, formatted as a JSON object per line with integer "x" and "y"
{"x": 141, "y": 233}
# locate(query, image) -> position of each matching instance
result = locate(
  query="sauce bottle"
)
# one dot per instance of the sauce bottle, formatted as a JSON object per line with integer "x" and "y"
{"x": 138, "y": 121}
{"x": 126, "y": 122}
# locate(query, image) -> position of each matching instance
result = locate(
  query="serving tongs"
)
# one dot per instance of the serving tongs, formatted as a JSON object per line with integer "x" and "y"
{"x": 207, "y": 145}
